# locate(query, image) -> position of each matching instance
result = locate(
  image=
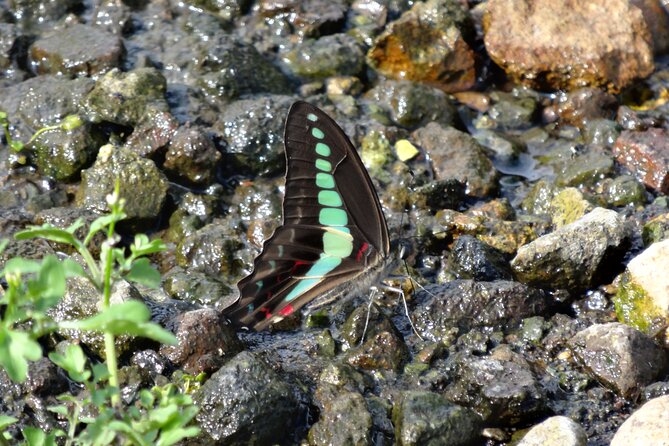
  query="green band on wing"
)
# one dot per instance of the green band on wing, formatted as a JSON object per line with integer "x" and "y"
{"x": 315, "y": 274}
{"x": 329, "y": 198}
{"x": 333, "y": 217}
{"x": 312, "y": 117}
{"x": 324, "y": 165}
{"x": 323, "y": 149}
{"x": 337, "y": 245}
{"x": 318, "y": 133}
{"x": 325, "y": 180}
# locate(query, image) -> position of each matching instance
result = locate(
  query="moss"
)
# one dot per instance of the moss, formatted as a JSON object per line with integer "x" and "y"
{"x": 635, "y": 308}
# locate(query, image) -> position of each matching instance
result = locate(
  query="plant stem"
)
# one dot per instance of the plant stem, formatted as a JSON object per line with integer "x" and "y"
{"x": 110, "y": 346}
{"x": 112, "y": 366}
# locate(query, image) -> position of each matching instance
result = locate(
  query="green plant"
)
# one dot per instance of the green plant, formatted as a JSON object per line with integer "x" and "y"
{"x": 161, "y": 415}
{"x": 69, "y": 122}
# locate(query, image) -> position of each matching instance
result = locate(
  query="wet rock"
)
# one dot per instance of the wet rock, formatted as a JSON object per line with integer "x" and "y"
{"x": 226, "y": 10}
{"x": 410, "y": 104}
{"x": 44, "y": 378}
{"x": 657, "y": 20}
{"x": 427, "y": 418}
{"x": 646, "y": 154}
{"x": 205, "y": 341}
{"x": 555, "y": 431}
{"x": 647, "y": 425}
{"x": 309, "y": 17}
{"x": 192, "y": 156}
{"x": 210, "y": 250}
{"x": 580, "y": 255}
{"x": 78, "y": 50}
{"x": 441, "y": 194}
{"x": 62, "y": 154}
{"x": 476, "y": 260}
{"x": 642, "y": 299}
{"x": 152, "y": 133}
{"x": 82, "y": 301}
{"x": 197, "y": 287}
{"x": 337, "y": 54}
{"x": 245, "y": 401}
{"x": 503, "y": 391}
{"x": 113, "y": 16}
{"x": 125, "y": 98}
{"x": 33, "y": 13}
{"x": 142, "y": 185}
{"x": 512, "y": 111}
{"x": 656, "y": 229}
{"x": 567, "y": 206}
{"x": 584, "y": 170}
{"x": 345, "y": 420}
{"x": 624, "y": 190}
{"x": 11, "y": 41}
{"x": 149, "y": 362}
{"x": 553, "y": 46}
{"x": 619, "y": 356}
{"x": 426, "y": 45}
{"x": 466, "y": 304}
{"x": 193, "y": 212}
{"x": 62, "y": 217}
{"x": 253, "y": 131}
{"x": 384, "y": 350}
{"x": 41, "y": 101}
{"x": 600, "y": 132}
{"x": 455, "y": 154}
{"x": 364, "y": 321}
{"x": 580, "y": 106}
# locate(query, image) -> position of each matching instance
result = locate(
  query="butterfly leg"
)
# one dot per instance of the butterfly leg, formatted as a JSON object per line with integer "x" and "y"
{"x": 372, "y": 294}
{"x": 400, "y": 292}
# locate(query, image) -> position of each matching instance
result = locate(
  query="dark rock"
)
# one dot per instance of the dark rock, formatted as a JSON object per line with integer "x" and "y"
{"x": 205, "y": 341}
{"x": 126, "y": 98}
{"x": 624, "y": 190}
{"x": 584, "y": 170}
{"x": 457, "y": 155}
{"x": 580, "y": 106}
{"x": 113, "y": 16}
{"x": 78, "y": 50}
{"x": 149, "y": 362}
{"x": 476, "y": 260}
{"x": 511, "y": 111}
{"x": 226, "y": 10}
{"x": 426, "y": 45}
{"x": 338, "y": 54}
{"x": 345, "y": 420}
{"x": 551, "y": 46}
{"x": 192, "y": 156}
{"x": 466, "y": 304}
{"x": 426, "y": 418}
{"x": 409, "y": 104}
{"x": 142, "y": 185}
{"x": 246, "y": 402}
{"x": 620, "y": 357}
{"x": 384, "y": 350}
{"x": 152, "y": 133}
{"x": 33, "y": 13}
{"x": 210, "y": 250}
{"x": 580, "y": 255}
{"x": 441, "y": 194}
{"x": 198, "y": 288}
{"x": 44, "y": 378}
{"x": 309, "y": 17}
{"x": 646, "y": 154}
{"x": 658, "y": 23}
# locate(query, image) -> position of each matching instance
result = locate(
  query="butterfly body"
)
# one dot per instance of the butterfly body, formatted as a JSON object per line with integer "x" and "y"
{"x": 333, "y": 239}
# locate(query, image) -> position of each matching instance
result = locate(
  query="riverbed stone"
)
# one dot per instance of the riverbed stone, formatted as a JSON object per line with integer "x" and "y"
{"x": 646, "y": 155}
{"x": 647, "y": 425}
{"x": 555, "y": 431}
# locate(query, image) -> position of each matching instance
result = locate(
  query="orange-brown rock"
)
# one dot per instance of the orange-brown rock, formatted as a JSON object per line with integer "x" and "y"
{"x": 646, "y": 154}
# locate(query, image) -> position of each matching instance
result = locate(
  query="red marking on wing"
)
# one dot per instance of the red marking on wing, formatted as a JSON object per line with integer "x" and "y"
{"x": 265, "y": 310}
{"x": 285, "y": 311}
{"x": 295, "y": 265}
{"x": 361, "y": 251}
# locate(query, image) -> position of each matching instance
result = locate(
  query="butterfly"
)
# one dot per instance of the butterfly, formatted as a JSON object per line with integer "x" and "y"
{"x": 333, "y": 239}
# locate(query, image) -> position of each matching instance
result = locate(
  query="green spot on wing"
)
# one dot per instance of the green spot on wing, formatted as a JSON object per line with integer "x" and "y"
{"x": 318, "y": 133}
{"x": 333, "y": 217}
{"x": 312, "y": 117}
{"x": 329, "y": 198}
{"x": 323, "y": 149}
{"x": 323, "y": 165}
{"x": 337, "y": 244}
{"x": 325, "y": 180}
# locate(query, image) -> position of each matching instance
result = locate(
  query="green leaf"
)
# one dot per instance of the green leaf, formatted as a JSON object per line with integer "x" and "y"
{"x": 73, "y": 361}
{"x": 71, "y": 122}
{"x": 49, "y": 283}
{"x": 72, "y": 269}
{"x": 60, "y": 410}
{"x": 128, "y": 318}
{"x": 6, "y": 421}
{"x": 3, "y": 244}
{"x": 48, "y": 232}
{"x": 37, "y": 437}
{"x": 144, "y": 273}
{"x": 142, "y": 246}
{"x": 21, "y": 266}
{"x": 173, "y": 436}
{"x": 16, "y": 349}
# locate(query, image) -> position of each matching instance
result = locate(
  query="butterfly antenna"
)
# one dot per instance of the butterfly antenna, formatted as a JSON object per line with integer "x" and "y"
{"x": 369, "y": 311}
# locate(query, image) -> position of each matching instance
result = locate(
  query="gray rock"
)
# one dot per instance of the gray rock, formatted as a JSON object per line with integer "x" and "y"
{"x": 337, "y": 54}
{"x": 246, "y": 402}
{"x": 476, "y": 260}
{"x": 620, "y": 356}
{"x": 648, "y": 425}
{"x": 192, "y": 156}
{"x": 555, "y": 431}
{"x": 345, "y": 421}
{"x": 429, "y": 419}
{"x": 580, "y": 255}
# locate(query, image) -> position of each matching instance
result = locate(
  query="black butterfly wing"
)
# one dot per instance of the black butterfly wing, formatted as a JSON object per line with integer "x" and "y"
{"x": 333, "y": 227}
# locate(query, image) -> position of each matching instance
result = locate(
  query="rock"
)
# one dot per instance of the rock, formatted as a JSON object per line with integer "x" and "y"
{"x": 78, "y": 50}
{"x": 210, "y": 250}
{"x": 427, "y": 418}
{"x": 476, "y": 260}
{"x": 205, "y": 341}
{"x": 512, "y": 110}
{"x": 619, "y": 356}
{"x": 502, "y": 391}
{"x": 152, "y": 133}
{"x": 580, "y": 106}
{"x": 555, "y": 431}
{"x": 624, "y": 190}
{"x": 658, "y": 23}
{"x": 567, "y": 206}
{"x": 142, "y": 185}
{"x": 36, "y": 13}
{"x": 656, "y": 229}
{"x": 585, "y": 169}
{"x": 245, "y": 401}
{"x": 192, "y": 156}
{"x": 580, "y": 255}
{"x": 646, "y": 155}
{"x": 647, "y": 425}
{"x": 337, "y": 54}
{"x": 411, "y": 105}
{"x": 198, "y": 288}
{"x": 440, "y": 194}
{"x": 125, "y": 98}
{"x": 455, "y": 154}
{"x": 226, "y": 10}
{"x": 309, "y": 17}
{"x": 384, "y": 350}
{"x": 466, "y": 304}
{"x": 44, "y": 378}
{"x": 345, "y": 421}
{"x": 642, "y": 299}
{"x": 62, "y": 217}
{"x": 426, "y": 45}
{"x": 547, "y": 45}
